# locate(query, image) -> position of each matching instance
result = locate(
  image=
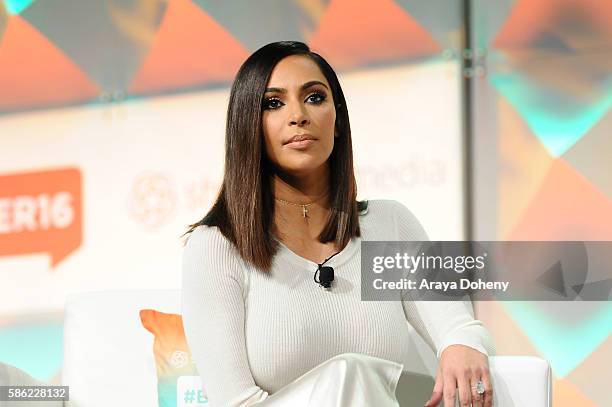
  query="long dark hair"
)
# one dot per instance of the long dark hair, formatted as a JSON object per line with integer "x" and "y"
{"x": 244, "y": 208}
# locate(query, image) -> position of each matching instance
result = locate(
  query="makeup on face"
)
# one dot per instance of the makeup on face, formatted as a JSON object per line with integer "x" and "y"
{"x": 316, "y": 96}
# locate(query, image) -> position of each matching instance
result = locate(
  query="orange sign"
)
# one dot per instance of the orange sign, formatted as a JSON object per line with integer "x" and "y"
{"x": 41, "y": 212}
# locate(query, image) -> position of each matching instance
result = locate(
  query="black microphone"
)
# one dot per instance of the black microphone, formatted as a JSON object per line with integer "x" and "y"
{"x": 326, "y": 276}
{"x": 326, "y": 273}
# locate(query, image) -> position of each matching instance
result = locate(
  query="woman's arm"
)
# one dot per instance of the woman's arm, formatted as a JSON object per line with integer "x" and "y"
{"x": 214, "y": 318}
{"x": 445, "y": 323}
{"x": 440, "y": 323}
{"x": 450, "y": 328}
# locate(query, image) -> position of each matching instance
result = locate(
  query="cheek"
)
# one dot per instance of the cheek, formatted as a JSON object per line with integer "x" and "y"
{"x": 271, "y": 127}
{"x": 326, "y": 120}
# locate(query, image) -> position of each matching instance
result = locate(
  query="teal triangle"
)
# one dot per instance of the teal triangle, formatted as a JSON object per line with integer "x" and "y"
{"x": 557, "y": 119}
{"x": 563, "y": 346}
{"x": 36, "y": 349}
{"x": 17, "y": 6}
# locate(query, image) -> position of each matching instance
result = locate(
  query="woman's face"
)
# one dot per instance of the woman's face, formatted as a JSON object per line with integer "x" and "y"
{"x": 298, "y": 105}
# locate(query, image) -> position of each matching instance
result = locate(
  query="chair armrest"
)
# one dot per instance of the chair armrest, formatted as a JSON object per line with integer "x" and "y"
{"x": 517, "y": 381}
{"x": 12, "y": 376}
{"x": 521, "y": 381}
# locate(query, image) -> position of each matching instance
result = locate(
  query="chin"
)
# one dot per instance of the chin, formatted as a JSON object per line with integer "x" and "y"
{"x": 300, "y": 171}
{"x": 303, "y": 167}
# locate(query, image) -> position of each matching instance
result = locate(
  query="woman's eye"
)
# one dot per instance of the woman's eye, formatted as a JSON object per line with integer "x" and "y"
{"x": 274, "y": 103}
{"x": 316, "y": 98}
{"x": 270, "y": 104}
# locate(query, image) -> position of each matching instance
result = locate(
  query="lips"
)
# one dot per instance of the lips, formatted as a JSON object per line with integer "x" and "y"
{"x": 299, "y": 137}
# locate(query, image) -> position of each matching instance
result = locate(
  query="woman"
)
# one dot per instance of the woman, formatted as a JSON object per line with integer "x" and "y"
{"x": 259, "y": 328}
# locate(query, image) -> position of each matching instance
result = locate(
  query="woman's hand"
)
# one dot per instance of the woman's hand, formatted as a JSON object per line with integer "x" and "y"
{"x": 459, "y": 370}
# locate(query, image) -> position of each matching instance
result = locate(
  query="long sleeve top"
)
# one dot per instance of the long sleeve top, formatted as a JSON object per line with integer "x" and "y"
{"x": 251, "y": 333}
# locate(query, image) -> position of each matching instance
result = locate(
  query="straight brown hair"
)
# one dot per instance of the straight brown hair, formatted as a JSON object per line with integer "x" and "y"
{"x": 244, "y": 207}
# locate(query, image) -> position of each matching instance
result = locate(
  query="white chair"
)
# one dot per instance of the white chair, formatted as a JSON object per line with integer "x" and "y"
{"x": 108, "y": 356}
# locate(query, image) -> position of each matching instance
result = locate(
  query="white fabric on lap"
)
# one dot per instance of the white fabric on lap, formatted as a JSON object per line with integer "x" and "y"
{"x": 349, "y": 379}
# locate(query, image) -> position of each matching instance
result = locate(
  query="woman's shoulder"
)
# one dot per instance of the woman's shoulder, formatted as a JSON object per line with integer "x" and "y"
{"x": 209, "y": 238}
{"x": 378, "y": 207}
{"x": 207, "y": 249}
{"x": 392, "y": 214}
{"x": 203, "y": 233}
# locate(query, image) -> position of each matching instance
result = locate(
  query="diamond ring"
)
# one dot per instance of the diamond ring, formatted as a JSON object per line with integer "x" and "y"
{"x": 480, "y": 389}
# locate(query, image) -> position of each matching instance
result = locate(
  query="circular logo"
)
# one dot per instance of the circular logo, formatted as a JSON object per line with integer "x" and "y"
{"x": 152, "y": 200}
{"x": 179, "y": 359}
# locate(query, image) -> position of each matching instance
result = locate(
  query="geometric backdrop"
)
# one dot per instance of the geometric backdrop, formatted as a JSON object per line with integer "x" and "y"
{"x": 144, "y": 47}
{"x": 542, "y": 110}
{"x": 543, "y": 125}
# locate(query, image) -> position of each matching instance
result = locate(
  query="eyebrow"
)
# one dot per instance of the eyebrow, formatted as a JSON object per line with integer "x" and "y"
{"x": 304, "y": 86}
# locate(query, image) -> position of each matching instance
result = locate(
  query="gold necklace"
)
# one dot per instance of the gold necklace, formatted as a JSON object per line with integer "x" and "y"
{"x": 304, "y": 206}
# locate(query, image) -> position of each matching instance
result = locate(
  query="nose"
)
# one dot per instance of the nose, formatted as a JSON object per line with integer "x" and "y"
{"x": 299, "y": 122}
{"x": 298, "y": 116}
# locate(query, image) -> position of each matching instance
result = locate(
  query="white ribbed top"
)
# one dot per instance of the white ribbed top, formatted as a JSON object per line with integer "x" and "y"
{"x": 251, "y": 333}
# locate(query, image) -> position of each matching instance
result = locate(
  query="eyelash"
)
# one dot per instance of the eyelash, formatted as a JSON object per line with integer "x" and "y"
{"x": 320, "y": 95}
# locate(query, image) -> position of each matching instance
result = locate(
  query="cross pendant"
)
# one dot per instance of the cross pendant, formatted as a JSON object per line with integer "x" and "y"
{"x": 304, "y": 211}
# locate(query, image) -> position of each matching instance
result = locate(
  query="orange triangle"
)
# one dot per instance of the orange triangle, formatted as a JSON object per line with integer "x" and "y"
{"x": 590, "y": 376}
{"x": 530, "y": 17}
{"x": 191, "y": 48}
{"x": 34, "y": 72}
{"x": 526, "y": 19}
{"x": 565, "y": 394}
{"x": 356, "y": 33}
{"x": 566, "y": 207}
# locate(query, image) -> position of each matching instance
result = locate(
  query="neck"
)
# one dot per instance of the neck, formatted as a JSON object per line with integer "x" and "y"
{"x": 301, "y": 189}
{"x": 311, "y": 190}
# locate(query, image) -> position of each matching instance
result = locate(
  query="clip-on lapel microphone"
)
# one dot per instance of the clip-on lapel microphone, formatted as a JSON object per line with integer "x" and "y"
{"x": 326, "y": 273}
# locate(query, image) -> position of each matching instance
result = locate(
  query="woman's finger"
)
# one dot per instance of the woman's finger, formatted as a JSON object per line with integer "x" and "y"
{"x": 477, "y": 399}
{"x": 465, "y": 393}
{"x": 450, "y": 390}
{"x": 488, "y": 394}
{"x": 436, "y": 395}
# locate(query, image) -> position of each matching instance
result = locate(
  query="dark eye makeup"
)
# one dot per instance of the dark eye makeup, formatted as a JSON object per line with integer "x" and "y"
{"x": 273, "y": 103}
